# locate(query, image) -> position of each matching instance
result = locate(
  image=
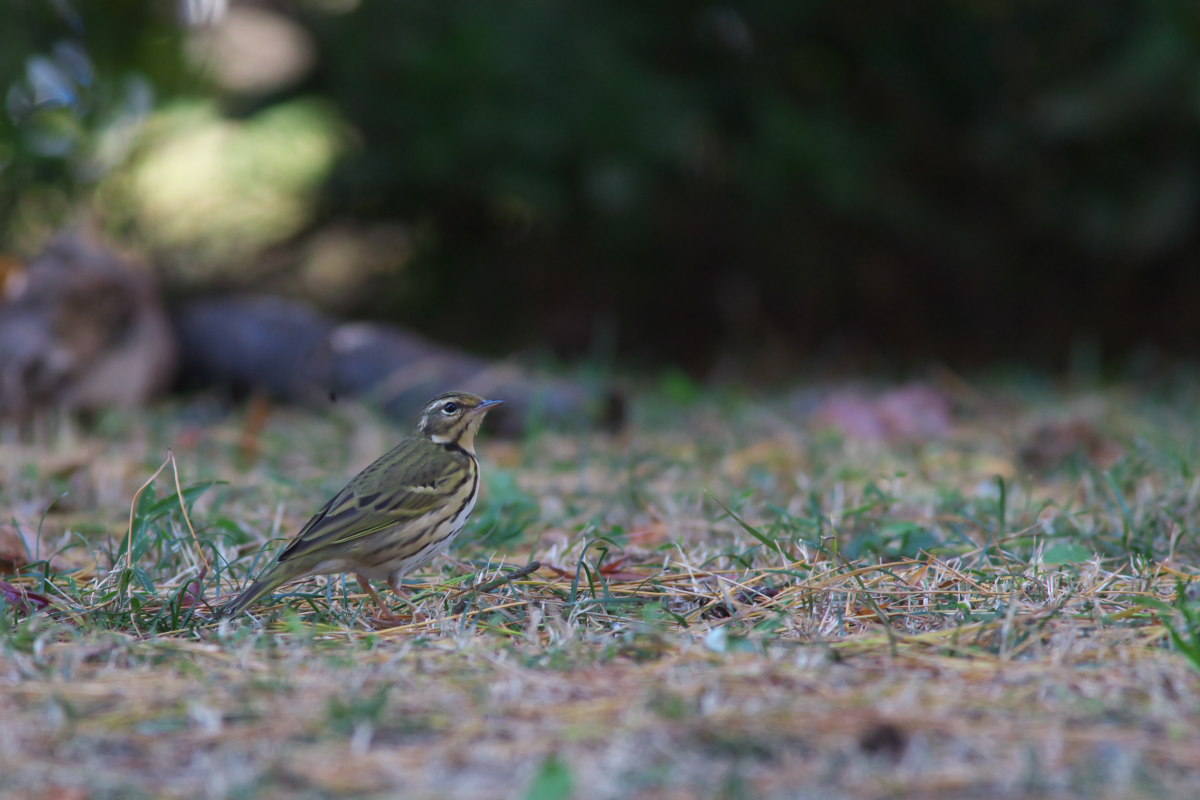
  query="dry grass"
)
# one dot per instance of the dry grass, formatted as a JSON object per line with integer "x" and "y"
{"x": 731, "y": 604}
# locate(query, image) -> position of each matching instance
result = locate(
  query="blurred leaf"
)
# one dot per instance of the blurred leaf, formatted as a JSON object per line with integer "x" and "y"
{"x": 167, "y": 504}
{"x": 1066, "y": 553}
{"x": 552, "y": 782}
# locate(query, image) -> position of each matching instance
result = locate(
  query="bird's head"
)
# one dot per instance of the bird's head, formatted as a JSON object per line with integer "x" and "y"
{"x": 454, "y": 418}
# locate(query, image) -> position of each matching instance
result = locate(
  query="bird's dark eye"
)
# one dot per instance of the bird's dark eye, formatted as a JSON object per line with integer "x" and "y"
{"x": 450, "y": 408}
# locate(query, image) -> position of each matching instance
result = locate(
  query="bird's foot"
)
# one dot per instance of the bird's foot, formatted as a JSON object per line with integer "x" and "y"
{"x": 387, "y": 618}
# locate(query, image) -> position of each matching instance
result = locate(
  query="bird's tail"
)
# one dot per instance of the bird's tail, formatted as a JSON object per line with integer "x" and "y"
{"x": 272, "y": 578}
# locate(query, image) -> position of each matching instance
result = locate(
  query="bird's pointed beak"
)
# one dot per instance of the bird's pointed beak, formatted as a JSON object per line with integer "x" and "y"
{"x": 487, "y": 405}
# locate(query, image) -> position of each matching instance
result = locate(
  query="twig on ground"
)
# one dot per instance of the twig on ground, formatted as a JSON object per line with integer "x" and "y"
{"x": 493, "y": 585}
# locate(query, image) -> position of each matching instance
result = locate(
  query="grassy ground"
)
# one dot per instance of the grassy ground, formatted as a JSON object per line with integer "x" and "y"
{"x": 733, "y": 602}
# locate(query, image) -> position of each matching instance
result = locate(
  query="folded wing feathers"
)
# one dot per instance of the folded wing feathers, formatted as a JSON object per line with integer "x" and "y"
{"x": 349, "y": 516}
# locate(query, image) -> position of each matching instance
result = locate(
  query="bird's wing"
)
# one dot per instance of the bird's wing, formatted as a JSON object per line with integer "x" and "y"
{"x": 381, "y": 496}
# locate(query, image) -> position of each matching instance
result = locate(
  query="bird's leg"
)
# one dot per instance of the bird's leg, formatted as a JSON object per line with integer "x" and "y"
{"x": 398, "y": 589}
{"x": 385, "y": 613}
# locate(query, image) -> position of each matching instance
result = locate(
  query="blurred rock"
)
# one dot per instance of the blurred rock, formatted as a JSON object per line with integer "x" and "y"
{"x": 247, "y": 343}
{"x": 297, "y": 354}
{"x": 81, "y": 329}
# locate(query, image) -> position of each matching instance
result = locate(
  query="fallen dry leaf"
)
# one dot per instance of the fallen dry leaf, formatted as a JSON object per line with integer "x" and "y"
{"x": 18, "y": 549}
{"x": 25, "y": 600}
{"x": 649, "y": 535}
{"x": 1054, "y": 444}
{"x": 21, "y": 546}
{"x": 612, "y": 570}
{"x": 347, "y": 773}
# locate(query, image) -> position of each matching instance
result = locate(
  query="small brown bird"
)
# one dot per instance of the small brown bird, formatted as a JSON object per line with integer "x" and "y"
{"x": 396, "y": 515}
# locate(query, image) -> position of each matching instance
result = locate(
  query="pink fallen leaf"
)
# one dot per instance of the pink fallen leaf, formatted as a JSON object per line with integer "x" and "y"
{"x": 24, "y": 600}
{"x": 193, "y": 592}
{"x": 906, "y": 413}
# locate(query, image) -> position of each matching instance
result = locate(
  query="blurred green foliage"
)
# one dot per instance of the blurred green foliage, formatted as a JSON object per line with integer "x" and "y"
{"x": 965, "y": 179}
{"x": 77, "y": 80}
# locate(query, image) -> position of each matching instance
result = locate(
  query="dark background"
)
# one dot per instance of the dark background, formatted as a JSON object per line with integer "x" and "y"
{"x": 770, "y": 183}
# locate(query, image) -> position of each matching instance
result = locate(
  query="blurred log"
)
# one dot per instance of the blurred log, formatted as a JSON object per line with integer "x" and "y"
{"x": 299, "y": 355}
{"x": 81, "y": 329}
